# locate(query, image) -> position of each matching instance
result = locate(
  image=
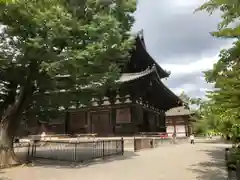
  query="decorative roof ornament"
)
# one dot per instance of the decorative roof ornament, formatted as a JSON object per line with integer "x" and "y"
{"x": 117, "y": 102}
{"x": 105, "y": 98}
{"x": 72, "y": 107}
{"x": 128, "y": 100}
{"x": 127, "y": 96}
{"x": 82, "y": 105}
{"x": 118, "y": 96}
{"x": 94, "y": 103}
{"x": 106, "y": 101}
{"x": 61, "y": 108}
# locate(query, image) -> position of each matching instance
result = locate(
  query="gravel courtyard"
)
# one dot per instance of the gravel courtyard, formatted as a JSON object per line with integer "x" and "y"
{"x": 202, "y": 161}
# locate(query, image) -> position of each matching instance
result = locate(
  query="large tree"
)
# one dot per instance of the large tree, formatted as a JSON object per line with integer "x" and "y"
{"x": 55, "y": 46}
{"x": 225, "y": 99}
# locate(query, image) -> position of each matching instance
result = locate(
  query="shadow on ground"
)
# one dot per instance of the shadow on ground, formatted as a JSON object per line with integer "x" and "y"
{"x": 66, "y": 164}
{"x": 3, "y": 178}
{"x": 212, "y": 142}
{"x": 213, "y": 170}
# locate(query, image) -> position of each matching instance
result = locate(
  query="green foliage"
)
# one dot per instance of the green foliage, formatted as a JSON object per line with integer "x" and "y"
{"x": 189, "y": 100}
{"x": 225, "y": 98}
{"x": 62, "y": 51}
{"x": 230, "y": 12}
{"x": 222, "y": 112}
{"x": 6, "y": 1}
{"x": 200, "y": 126}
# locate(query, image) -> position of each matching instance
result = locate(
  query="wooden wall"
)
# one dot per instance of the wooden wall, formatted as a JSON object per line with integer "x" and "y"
{"x": 77, "y": 121}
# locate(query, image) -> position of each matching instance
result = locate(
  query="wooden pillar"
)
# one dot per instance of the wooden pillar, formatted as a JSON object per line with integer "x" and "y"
{"x": 67, "y": 131}
{"x": 186, "y": 127}
{"x": 113, "y": 120}
{"x": 174, "y": 125}
{"x": 89, "y": 125}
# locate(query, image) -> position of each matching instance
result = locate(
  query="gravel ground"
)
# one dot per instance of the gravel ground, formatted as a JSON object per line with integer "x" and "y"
{"x": 202, "y": 161}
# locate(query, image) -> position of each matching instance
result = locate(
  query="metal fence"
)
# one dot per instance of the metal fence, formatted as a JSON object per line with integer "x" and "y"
{"x": 150, "y": 142}
{"x": 76, "y": 151}
{"x": 65, "y": 151}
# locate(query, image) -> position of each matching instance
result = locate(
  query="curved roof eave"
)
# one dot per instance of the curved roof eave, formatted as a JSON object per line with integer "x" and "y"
{"x": 163, "y": 73}
{"x": 127, "y": 77}
{"x": 178, "y": 100}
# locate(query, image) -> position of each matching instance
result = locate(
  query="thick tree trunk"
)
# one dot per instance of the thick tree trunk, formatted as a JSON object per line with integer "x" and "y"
{"x": 9, "y": 124}
{"x": 7, "y": 155}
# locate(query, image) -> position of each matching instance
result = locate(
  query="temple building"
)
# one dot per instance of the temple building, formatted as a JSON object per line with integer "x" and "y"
{"x": 179, "y": 121}
{"x": 137, "y": 105}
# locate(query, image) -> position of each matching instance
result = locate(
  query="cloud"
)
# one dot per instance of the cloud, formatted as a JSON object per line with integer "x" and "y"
{"x": 190, "y": 78}
{"x": 180, "y": 41}
{"x": 173, "y": 29}
{"x": 191, "y": 83}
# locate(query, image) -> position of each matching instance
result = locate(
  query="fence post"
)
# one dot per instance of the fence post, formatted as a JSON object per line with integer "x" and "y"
{"x": 134, "y": 144}
{"x": 227, "y": 150}
{"x": 151, "y": 143}
{"x": 34, "y": 149}
{"x": 122, "y": 146}
{"x": 103, "y": 148}
{"x": 75, "y": 151}
{"x": 28, "y": 153}
{"x": 238, "y": 170}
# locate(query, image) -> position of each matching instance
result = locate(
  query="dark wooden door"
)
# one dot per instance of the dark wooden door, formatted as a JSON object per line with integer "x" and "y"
{"x": 77, "y": 121}
{"x": 100, "y": 122}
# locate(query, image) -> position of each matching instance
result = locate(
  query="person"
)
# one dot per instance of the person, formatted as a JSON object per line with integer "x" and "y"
{"x": 210, "y": 136}
{"x": 192, "y": 139}
{"x": 174, "y": 138}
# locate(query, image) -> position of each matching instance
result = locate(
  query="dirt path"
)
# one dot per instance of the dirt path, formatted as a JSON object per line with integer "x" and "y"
{"x": 179, "y": 162}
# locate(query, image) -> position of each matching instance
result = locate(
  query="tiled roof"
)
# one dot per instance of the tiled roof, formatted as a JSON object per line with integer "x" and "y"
{"x": 179, "y": 111}
{"x": 126, "y": 77}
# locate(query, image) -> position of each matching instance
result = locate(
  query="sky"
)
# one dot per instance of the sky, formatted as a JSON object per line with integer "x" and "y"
{"x": 180, "y": 41}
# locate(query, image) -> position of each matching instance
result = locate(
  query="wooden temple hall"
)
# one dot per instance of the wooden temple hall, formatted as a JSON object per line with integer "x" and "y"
{"x": 138, "y": 105}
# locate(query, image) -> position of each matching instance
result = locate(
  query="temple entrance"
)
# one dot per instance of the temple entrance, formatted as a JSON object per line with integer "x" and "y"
{"x": 100, "y": 123}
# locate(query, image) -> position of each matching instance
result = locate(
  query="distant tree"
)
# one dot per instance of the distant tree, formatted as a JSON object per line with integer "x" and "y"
{"x": 189, "y": 100}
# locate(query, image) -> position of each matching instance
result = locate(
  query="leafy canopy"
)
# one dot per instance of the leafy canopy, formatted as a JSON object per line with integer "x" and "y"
{"x": 61, "y": 46}
{"x": 223, "y": 107}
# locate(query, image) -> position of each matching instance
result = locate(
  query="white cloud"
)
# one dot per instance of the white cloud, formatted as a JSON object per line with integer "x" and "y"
{"x": 180, "y": 41}
{"x": 185, "y": 87}
{"x": 193, "y": 71}
{"x": 200, "y": 65}
{"x": 187, "y": 3}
